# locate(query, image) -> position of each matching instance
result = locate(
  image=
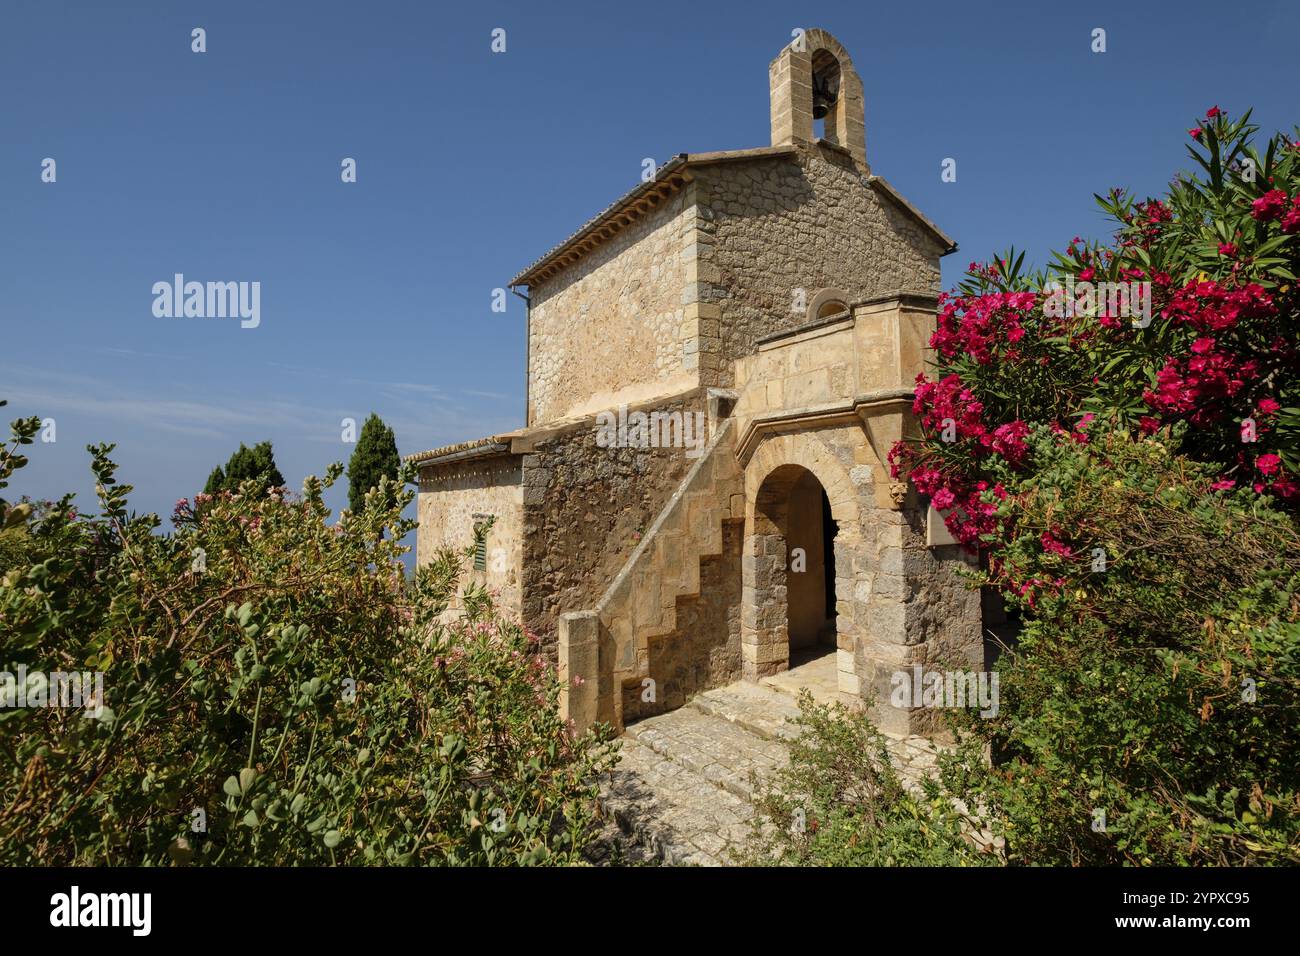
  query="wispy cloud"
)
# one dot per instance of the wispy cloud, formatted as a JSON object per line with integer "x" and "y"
{"x": 422, "y": 416}
{"x": 136, "y": 353}
{"x": 98, "y": 399}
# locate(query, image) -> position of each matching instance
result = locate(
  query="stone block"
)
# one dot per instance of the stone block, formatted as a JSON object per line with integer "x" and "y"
{"x": 887, "y": 622}
{"x": 890, "y": 560}
{"x": 892, "y": 586}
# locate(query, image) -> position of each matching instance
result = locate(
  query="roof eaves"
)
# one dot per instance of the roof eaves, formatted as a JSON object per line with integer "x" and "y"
{"x": 480, "y": 448}
{"x": 609, "y": 220}
{"x": 631, "y": 205}
{"x": 947, "y": 242}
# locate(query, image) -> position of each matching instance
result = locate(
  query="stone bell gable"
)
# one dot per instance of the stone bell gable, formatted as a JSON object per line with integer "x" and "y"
{"x": 674, "y": 282}
{"x": 766, "y": 310}
{"x": 812, "y": 67}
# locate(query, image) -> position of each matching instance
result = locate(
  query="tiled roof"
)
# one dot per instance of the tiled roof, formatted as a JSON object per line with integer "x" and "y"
{"x": 668, "y": 178}
{"x": 651, "y": 190}
{"x": 491, "y": 445}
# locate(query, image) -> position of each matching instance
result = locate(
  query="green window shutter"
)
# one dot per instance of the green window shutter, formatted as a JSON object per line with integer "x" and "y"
{"x": 480, "y": 547}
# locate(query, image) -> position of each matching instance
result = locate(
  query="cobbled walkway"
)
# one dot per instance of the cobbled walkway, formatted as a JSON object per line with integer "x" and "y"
{"x": 681, "y": 792}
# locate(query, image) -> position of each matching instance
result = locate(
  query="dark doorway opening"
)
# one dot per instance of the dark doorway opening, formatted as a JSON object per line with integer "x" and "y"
{"x": 829, "y": 530}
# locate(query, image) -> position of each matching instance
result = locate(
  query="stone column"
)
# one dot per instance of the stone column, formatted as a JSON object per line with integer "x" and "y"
{"x": 579, "y": 668}
{"x": 764, "y": 644}
{"x": 790, "y": 88}
{"x": 850, "y": 580}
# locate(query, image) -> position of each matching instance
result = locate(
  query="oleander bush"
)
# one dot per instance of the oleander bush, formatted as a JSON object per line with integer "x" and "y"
{"x": 1148, "y": 712}
{"x": 276, "y": 692}
{"x": 1128, "y": 477}
{"x": 1218, "y": 349}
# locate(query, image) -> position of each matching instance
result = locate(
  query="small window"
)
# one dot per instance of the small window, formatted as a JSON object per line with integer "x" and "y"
{"x": 826, "y": 303}
{"x": 482, "y": 527}
{"x": 480, "y": 545}
{"x": 833, "y": 307}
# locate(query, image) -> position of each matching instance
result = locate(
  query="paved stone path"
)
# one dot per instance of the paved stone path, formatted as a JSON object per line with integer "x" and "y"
{"x": 681, "y": 792}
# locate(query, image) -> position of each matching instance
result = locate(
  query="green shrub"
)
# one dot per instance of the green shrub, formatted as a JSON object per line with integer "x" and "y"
{"x": 1157, "y": 678}
{"x": 276, "y": 693}
{"x": 840, "y": 802}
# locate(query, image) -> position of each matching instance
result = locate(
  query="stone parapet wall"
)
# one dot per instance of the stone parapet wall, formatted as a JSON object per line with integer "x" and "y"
{"x": 585, "y": 509}
{"x": 703, "y": 650}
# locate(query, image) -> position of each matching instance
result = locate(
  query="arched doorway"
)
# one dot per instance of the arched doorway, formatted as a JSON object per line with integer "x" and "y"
{"x": 790, "y": 594}
{"x": 810, "y": 570}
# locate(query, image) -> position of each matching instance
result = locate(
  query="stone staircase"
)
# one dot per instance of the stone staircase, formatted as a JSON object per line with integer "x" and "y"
{"x": 641, "y": 602}
{"x": 681, "y": 793}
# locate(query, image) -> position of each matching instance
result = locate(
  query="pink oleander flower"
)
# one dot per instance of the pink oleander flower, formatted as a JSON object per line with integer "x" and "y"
{"x": 1269, "y": 206}
{"x": 1054, "y": 545}
{"x": 1285, "y": 488}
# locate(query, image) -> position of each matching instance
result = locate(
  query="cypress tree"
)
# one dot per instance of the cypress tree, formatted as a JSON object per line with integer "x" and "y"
{"x": 257, "y": 462}
{"x": 216, "y": 481}
{"x": 374, "y": 457}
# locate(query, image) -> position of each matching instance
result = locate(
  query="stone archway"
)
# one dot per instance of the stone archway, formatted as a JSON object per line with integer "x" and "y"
{"x": 786, "y": 482}
{"x": 826, "y": 303}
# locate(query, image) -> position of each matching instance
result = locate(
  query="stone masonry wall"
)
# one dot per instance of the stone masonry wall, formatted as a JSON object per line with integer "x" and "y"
{"x": 450, "y": 496}
{"x": 611, "y": 328}
{"x": 704, "y": 651}
{"x": 920, "y": 613}
{"x": 585, "y": 508}
{"x": 770, "y": 226}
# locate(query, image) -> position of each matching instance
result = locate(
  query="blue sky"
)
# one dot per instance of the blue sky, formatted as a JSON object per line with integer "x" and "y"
{"x": 376, "y": 295}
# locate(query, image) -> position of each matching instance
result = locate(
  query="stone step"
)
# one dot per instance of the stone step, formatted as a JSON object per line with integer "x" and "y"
{"x": 768, "y": 711}
{"x": 759, "y": 709}
{"x": 724, "y": 753}
{"x": 682, "y": 791}
{"x": 683, "y": 786}
{"x": 676, "y": 814}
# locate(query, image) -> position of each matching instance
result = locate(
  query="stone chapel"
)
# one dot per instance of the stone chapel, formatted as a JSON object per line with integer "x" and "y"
{"x": 780, "y": 300}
